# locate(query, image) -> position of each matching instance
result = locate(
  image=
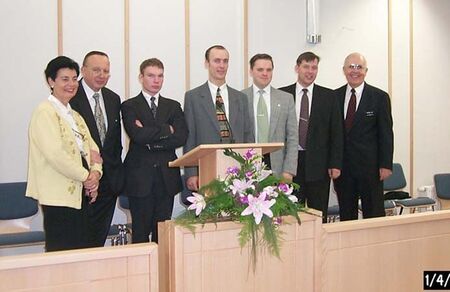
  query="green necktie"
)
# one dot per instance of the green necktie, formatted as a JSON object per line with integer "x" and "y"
{"x": 262, "y": 119}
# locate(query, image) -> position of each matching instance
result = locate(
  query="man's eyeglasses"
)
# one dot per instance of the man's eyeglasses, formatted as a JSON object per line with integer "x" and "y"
{"x": 356, "y": 67}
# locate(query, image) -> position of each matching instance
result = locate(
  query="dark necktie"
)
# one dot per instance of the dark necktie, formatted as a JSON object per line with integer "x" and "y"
{"x": 153, "y": 106}
{"x": 351, "y": 109}
{"x": 99, "y": 118}
{"x": 224, "y": 126}
{"x": 304, "y": 119}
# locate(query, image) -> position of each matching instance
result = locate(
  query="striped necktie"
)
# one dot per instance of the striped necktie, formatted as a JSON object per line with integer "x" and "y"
{"x": 224, "y": 126}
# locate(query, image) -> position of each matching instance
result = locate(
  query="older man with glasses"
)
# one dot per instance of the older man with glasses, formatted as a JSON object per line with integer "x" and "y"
{"x": 368, "y": 143}
{"x": 100, "y": 108}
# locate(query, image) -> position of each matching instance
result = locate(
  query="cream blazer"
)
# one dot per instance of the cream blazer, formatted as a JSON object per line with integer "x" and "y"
{"x": 55, "y": 170}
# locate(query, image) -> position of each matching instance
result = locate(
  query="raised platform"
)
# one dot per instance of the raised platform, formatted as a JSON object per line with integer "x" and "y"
{"x": 379, "y": 254}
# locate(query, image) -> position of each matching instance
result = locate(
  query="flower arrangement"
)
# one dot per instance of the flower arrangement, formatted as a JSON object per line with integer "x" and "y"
{"x": 249, "y": 194}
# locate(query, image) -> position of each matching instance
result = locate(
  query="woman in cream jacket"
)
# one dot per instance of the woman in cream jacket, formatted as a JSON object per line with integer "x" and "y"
{"x": 64, "y": 166}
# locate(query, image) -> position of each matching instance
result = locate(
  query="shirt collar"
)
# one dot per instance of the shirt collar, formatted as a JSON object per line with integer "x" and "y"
{"x": 89, "y": 91}
{"x": 213, "y": 87}
{"x": 299, "y": 88}
{"x": 256, "y": 90}
{"x": 358, "y": 90}
{"x": 148, "y": 96}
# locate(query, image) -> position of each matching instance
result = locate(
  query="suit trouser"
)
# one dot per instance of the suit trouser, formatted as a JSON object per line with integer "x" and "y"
{"x": 315, "y": 193}
{"x": 349, "y": 189}
{"x": 66, "y": 228}
{"x": 147, "y": 211}
{"x": 100, "y": 216}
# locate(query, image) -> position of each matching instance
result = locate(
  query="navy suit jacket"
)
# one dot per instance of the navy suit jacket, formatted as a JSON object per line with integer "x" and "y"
{"x": 324, "y": 142}
{"x": 369, "y": 144}
{"x": 152, "y": 146}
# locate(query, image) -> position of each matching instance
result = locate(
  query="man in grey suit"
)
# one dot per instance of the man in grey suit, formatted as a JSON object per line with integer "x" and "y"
{"x": 273, "y": 113}
{"x": 321, "y": 136}
{"x": 215, "y": 113}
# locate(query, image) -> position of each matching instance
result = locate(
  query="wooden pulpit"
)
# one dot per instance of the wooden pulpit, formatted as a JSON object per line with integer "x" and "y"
{"x": 213, "y": 163}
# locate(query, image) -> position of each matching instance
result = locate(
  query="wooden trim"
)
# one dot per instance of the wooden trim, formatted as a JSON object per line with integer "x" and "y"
{"x": 377, "y": 222}
{"x": 60, "y": 26}
{"x": 127, "y": 47}
{"x": 245, "y": 43}
{"x": 187, "y": 46}
{"x": 73, "y": 256}
{"x": 411, "y": 97}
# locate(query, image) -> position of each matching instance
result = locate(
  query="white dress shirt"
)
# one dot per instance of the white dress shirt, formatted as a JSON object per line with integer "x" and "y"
{"x": 89, "y": 94}
{"x": 148, "y": 96}
{"x": 298, "y": 101}
{"x": 348, "y": 94}
{"x": 266, "y": 96}
{"x": 223, "y": 94}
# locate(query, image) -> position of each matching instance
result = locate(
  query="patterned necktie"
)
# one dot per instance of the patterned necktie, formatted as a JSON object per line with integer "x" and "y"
{"x": 351, "y": 110}
{"x": 304, "y": 119}
{"x": 99, "y": 118}
{"x": 262, "y": 119}
{"x": 153, "y": 106}
{"x": 224, "y": 126}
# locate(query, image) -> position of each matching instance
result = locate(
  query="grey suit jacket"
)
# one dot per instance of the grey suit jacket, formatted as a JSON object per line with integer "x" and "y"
{"x": 201, "y": 119}
{"x": 283, "y": 127}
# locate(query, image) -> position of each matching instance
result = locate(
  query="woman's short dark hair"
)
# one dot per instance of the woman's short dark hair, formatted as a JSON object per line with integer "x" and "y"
{"x": 60, "y": 62}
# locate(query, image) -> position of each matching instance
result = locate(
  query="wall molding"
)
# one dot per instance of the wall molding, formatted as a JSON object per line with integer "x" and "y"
{"x": 187, "y": 45}
{"x": 411, "y": 96}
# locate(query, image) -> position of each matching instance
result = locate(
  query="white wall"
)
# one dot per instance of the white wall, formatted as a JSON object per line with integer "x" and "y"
{"x": 431, "y": 89}
{"x": 216, "y": 22}
{"x": 28, "y": 34}
{"x": 29, "y": 37}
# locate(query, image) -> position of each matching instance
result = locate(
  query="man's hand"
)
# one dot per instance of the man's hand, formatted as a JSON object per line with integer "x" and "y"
{"x": 385, "y": 173}
{"x": 93, "y": 197}
{"x": 92, "y": 181}
{"x": 287, "y": 177}
{"x": 172, "y": 130}
{"x": 192, "y": 183}
{"x": 334, "y": 173}
{"x": 138, "y": 124}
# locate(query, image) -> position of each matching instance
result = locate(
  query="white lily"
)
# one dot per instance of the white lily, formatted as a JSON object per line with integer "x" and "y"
{"x": 198, "y": 203}
{"x": 258, "y": 206}
{"x": 239, "y": 186}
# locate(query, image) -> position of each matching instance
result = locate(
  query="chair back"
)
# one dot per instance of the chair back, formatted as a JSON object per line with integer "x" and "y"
{"x": 442, "y": 184}
{"x": 16, "y": 210}
{"x": 397, "y": 180}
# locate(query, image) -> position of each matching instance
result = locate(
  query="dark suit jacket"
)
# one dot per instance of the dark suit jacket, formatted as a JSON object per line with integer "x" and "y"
{"x": 152, "y": 146}
{"x": 324, "y": 143}
{"x": 112, "y": 180}
{"x": 369, "y": 143}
